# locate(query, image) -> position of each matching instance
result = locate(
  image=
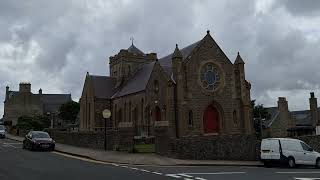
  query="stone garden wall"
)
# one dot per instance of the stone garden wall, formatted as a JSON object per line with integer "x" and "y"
{"x": 94, "y": 140}
{"x": 223, "y": 147}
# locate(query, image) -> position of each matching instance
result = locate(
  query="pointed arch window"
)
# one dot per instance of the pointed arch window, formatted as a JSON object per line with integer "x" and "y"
{"x": 235, "y": 118}
{"x": 190, "y": 119}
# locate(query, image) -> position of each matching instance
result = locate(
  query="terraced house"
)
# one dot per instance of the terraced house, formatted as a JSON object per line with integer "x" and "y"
{"x": 196, "y": 93}
{"x": 25, "y": 103}
{"x": 284, "y": 123}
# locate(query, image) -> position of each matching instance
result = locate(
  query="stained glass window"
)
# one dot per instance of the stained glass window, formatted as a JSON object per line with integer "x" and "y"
{"x": 209, "y": 77}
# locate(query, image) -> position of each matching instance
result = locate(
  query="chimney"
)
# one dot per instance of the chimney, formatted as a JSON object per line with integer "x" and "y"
{"x": 282, "y": 104}
{"x": 313, "y": 109}
{"x": 285, "y": 118}
{"x": 25, "y": 87}
{"x": 7, "y": 92}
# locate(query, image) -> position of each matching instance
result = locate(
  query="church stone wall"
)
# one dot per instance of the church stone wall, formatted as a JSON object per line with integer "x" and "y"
{"x": 194, "y": 97}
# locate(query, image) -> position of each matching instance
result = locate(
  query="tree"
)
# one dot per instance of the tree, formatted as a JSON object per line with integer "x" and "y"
{"x": 259, "y": 113}
{"x": 69, "y": 111}
{"x": 36, "y": 122}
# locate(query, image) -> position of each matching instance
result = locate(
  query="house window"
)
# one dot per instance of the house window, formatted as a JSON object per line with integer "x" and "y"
{"x": 190, "y": 120}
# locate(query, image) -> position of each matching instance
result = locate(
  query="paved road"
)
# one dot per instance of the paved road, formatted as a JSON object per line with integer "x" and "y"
{"x": 16, "y": 164}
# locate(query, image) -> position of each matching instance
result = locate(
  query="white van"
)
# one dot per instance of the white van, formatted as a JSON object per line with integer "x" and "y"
{"x": 290, "y": 151}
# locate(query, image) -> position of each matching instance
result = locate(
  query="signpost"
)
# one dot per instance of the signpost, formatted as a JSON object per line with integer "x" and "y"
{"x": 106, "y": 115}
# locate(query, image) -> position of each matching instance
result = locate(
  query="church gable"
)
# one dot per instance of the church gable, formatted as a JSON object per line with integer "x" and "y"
{"x": 87, "y": 87}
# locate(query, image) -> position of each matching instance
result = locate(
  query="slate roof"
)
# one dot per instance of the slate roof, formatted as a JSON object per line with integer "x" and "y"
{"x": 52, "y": 102}
{"x": 103, "y": 86}
{"x": 302, "y": 118}
{"x": 133, "y": 49}
{"x": 166, "y": 62}
{"x": 274, "y": 114}
{"x": 138, "y": 81}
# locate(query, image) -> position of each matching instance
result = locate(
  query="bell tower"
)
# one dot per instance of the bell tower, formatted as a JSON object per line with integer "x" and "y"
{"x": 128, "y": 61}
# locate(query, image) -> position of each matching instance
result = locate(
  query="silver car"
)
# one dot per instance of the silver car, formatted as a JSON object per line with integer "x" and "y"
{"x": 2, "y": 131}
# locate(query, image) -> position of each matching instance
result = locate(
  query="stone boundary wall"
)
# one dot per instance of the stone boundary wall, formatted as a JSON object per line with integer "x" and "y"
{"x": 223, "y": 147}
{"x": 94, "y": 140}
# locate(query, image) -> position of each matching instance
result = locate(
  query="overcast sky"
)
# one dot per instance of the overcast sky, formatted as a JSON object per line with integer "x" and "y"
{"x": 52, "y": 44}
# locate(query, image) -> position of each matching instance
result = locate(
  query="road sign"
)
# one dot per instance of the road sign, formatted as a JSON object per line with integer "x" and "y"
{"x": 106, "y": 113}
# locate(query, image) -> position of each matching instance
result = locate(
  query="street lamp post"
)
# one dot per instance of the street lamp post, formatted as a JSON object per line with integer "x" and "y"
{"x": 106, "y": 114}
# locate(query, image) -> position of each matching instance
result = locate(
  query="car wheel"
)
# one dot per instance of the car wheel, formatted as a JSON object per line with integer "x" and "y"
{"x": 267, "y": 164}
{"x": 23, "y": 145}
{"x": 318, "y": 163}
{"x": 291, "y": 162}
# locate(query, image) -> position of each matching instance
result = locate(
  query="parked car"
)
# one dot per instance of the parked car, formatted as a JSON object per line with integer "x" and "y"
{"x": 289, "y": 151}
{"x": 38, "y": 140}
{"x": 2, "y": 131}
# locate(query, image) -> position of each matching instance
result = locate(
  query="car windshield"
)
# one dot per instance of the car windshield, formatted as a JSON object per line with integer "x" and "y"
{"x": 2, "y": 128}
{"x": 40, "y": 135}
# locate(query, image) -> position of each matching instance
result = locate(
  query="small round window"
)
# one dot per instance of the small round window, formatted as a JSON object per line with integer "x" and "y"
{"x": 210, "y": 77}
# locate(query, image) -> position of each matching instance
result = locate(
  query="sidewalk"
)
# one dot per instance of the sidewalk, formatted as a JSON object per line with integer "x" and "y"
{"x": 139, "y": 158}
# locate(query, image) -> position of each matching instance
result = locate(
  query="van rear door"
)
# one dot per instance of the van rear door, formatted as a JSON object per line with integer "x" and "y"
{"x": 270, "y": 149}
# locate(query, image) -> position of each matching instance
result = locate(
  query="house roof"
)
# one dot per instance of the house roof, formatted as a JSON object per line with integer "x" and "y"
{"x": 274, "y": 114}
{"x": 103, "y": 86}
{"x": 52, "y": 102}
{"x": 166, "y": 61}
{"x": 133, "y": 49}
{"x": 138, "y": 81}
{"x": 302, "y": 118}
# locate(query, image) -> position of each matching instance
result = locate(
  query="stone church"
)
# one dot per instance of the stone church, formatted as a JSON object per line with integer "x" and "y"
{"x": 196, "y": 91}
{"x": 25, "y": 103}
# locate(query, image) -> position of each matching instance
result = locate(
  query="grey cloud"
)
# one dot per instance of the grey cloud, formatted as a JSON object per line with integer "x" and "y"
{"x": 76, "y": 36}
{"x": 302, "y": 8}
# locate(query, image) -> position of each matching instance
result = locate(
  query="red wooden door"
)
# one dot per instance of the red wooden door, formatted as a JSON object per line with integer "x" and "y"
{"x": 211, "y": 120}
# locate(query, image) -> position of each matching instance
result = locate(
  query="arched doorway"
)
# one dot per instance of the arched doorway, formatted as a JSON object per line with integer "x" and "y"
{"x": 157, "y": 114}
{"x": 211, "y": 120}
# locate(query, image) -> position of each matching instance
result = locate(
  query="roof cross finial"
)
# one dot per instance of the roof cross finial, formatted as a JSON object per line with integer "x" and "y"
{"x": 131, "y": 40}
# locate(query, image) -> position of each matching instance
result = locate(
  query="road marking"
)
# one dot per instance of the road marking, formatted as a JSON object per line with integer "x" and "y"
{"x": 216, "y": 173}
{"x": 300, "y": 172}
{"x": 83, "y": 159}
{"x": 306, "y": 178}
{"x": 9, "y": 145}
{"x": 199, "y": 178}
{"x": 143, "y": 170}
{"x": 173, "y": 175}
{"x": 13, "y": 143}
{"x": 157, "y": 173}
{"x": 185, "y": 175}
{"x": 134, "y": 168}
